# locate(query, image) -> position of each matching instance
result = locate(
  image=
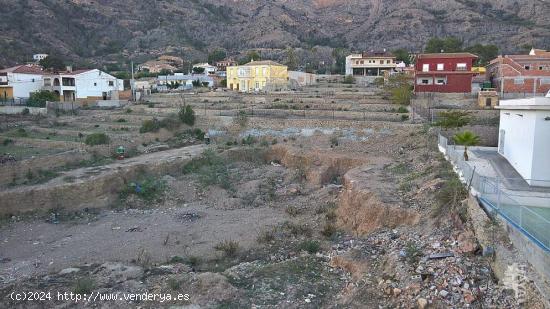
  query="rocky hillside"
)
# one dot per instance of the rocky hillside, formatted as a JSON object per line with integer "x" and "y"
{"x": 100, "y": 30}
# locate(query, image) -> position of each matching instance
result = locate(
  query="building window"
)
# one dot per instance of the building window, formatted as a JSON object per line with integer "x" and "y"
{"x": 257, "y": 85}
{"x": 518, "y": 81}
{"x": 381, "y": 61}
{"x": 541, "y": 68}
{"x": 527, "y": 67}
{"x": 111, "y": 83}
{"x": 95, "y": 84}
{"x": 545, "y": 81}
{"x": 440, "y": 81}
{"x": 424, "y": 81}
{"x": 461, "y": 67}
{"x": 440, "y": 66}
{"x": 388, "y": 62}
{"x": 426, "y": 67}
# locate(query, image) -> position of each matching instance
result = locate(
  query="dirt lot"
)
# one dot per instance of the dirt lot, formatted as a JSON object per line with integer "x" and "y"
{"x": 292, "y": 213}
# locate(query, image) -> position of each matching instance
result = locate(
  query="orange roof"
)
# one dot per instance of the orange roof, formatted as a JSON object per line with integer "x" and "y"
{"x": 24, "y": 69}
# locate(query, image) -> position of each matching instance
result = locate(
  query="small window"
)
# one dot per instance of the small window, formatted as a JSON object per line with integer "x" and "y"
{"x": 381, "y": 61}
{"x": 111, "y": 83}
{"x": 362, "y": 62}
{"x": 95, "y": 84}
{"x": 541, "y": 68}
{"x": 440, "y": 66}
{"x": 426, "y": 67}
{"x": 425, "y": 81}
{"x": 440, "y": 81}
{"x": 518, "y": 81}
{"x": 527, "y": 67}
{"x": 388, "y": 61}
{"x": 461, "y": 66}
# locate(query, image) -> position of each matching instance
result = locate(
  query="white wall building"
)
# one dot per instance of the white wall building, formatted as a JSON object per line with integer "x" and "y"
{"x": 524, "y": 138}
{"x": 23, "y": 79}
{"x": 370, "y": 63}
{"x": 38, "y": 57}
{"x": 208, "y": 69}
{"x": 84, "y": 84}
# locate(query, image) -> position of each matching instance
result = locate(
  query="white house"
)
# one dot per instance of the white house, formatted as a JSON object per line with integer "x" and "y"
{"x": 21, "y": 80}
{"x": 208, "y": 69}
{"x": 38, "y": 57}
{"x": 90, "y": 84}
{"x": 524, "y": 138}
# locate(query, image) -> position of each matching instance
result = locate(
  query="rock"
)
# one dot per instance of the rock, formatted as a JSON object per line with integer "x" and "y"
{"x": 69, "y": 270}
{"x": 396, "y": 291}
{"x": 469, "y": 298}
{"x": 443, "y": 293}
{"x": 422, "y": 303}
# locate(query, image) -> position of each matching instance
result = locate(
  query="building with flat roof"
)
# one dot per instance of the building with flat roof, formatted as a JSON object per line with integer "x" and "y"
{"x": 370, "y": 63}
{"x": 257, "y": 75}
{"x": 444, "y": 73}
{"x": 524, "y": 138}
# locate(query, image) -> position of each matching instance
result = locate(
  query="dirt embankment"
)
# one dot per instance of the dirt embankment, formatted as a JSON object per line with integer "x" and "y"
{"x": 361, "y": 208}
{"x": 364, "y": 206}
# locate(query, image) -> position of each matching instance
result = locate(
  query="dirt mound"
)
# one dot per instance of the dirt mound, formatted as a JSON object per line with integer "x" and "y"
{"x": 361, "y": 210}
{"x": 318, "y": 168}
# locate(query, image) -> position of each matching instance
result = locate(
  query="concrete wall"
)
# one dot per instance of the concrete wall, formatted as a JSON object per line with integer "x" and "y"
{"x": 12, "y": 110}
{"x": 541, "y": 151}
{"x": 94, "y": 83}
{"x": 24, "y": 84}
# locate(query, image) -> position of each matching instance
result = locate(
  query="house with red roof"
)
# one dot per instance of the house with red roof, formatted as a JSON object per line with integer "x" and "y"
{"x": 521, "y": 74}
{"x": 19, "y": 81}
{"x": 444, "y": 73}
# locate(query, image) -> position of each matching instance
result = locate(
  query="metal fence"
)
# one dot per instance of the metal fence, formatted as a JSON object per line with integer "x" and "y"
{"x": 492, "y": 194}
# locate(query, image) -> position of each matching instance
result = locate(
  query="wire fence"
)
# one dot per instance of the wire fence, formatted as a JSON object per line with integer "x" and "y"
{"x": 492, "y": 194}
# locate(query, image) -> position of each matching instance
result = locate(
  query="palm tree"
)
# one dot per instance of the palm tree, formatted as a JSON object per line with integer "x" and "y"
{"x": 466, "y": 138}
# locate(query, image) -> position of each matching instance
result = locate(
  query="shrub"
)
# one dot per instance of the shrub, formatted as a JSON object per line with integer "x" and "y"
{"x": 129, "y": 111}
{"x": 249, "y": 140}
{"x": 173, "y": 284}
{"x": 333, "y": 141}
{"x": 404, "y": 117}
{"x": 147, "y": 188}
{"x": 84, "y": 285}
{"x": 296, "y": 229}
{"x": 7, "y": 141}
{"x": 292, "y": 210}
{"x": 349, "y": 79}
{"x": 211, "y": 168}
{"x": 228, "y": 247}
{"x": 328, "y": 230}
{"x": 150, "y": 125}
{"x": 25, "y": 111}
{"x": 121, "y": 120}
{"x": 241, "y": 119}
{"x": 187, "y": 115}
{"x": 453, "y": 119}
{"x": 402, "y": 109}
{"x": 39, "y": 98}
{"x": 412, "y": 253}
{"x": 170, "y": 123}
{"x": 266, "y": 236}
{"x": 96, "y": 139}
{"x": 310, "y": 246}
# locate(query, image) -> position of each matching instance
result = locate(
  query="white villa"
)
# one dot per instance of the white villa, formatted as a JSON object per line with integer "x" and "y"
{"x": 524, "y": 138}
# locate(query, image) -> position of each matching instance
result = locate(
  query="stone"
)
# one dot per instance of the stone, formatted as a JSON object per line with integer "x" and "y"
{"x": 469, "y": 298}
{"x": 422, "y": 303}
{"x": 443, "y": 293}
{"x": 396, "y": 291}
{"x": 69, "y": 270}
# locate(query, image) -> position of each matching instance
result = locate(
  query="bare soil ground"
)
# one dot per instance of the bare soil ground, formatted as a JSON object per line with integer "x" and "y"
{"x": 326, "y": 219}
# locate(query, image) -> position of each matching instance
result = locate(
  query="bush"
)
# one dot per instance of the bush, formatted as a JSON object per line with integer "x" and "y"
{"x": 311, "y": 246}
{"x": 187, "y": 115}
{"x": 266, "y": 236}
{"x": 249, "y": 140}
{"x": 170, "y": 123}
{"x": 97, "y": 139}
{"x": 349, "y": 79}
{"x": 39, "y": 98}
{"x": 152, "y": 125}
{"x": 7, "y": 141}
{"x": 84, "y": 286}
{"x": 25, "y": 111}
{"x": 241, "y": 119}
{"x": 402, "y": 110}
{"x": 228, "y": 247}
{"x": 121, "y": 120}
{"x": 211, "y": 169}
{"x": 328, "y": 230}
{"x": 147, "y": 188}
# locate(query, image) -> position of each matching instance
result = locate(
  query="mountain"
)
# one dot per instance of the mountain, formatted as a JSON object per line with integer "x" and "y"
{"x": 102, "y": 31}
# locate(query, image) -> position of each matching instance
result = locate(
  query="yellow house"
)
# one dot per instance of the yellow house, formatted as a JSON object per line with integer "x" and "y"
{"x": 257, "y": 75}
{"x": 479, "y": 70}
{"x": 6, "y": 93}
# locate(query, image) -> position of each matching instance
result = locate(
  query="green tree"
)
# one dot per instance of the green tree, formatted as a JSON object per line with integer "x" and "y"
{"x": 187, "y": 115}
{"x": 291, "y": 59}
{"x": 39, "y": 98}
{"x": 198, "y": 70}
{"x": 97, "y": 139}
{"x": 216, "y": 55}
{"x": 223, "y": 82}
{"x": 453, "y": 119}
{"x": 251, "y": 55}
{"x": 486, "y": 53}
{"x": 466, "y": 138}
{"x": 446, "y": 45}
{"x": 53, "y": 62}
{"x": 348, "y": 79}
{"x": 402, "y": 55}
{"x": 339, "y": 54}
{"x": 401, "y": 95}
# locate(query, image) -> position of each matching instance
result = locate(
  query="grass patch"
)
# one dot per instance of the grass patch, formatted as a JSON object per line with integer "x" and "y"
{"x": 146, "y": 188}
{"x": 296, "y": 229}
{"x": 96, "y": 139}
{"x": 310, "y": 246}
{"x": 211, "y": 169}
{"x": 293, "y": 211}
{"x": 266, "y": 236}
